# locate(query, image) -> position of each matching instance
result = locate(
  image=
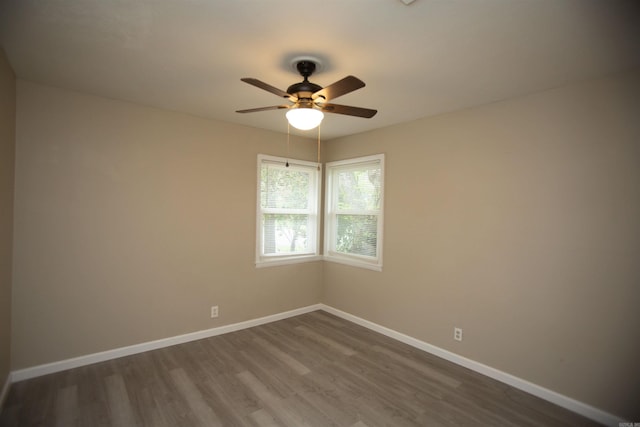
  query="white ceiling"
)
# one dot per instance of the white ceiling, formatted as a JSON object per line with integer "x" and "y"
{"x": 429, "y": 57}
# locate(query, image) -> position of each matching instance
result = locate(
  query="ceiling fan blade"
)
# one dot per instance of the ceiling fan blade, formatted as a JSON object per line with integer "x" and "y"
{"x": 267, "y": 87}
{"x": 349, "y": 111}
{"x": 273, "y": 107}
{"x": 339, "y": 88}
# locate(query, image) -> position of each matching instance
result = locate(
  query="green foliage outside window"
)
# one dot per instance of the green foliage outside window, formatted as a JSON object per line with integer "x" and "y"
{"x": 284, "y": 189}
{"x": 358, "y": 190}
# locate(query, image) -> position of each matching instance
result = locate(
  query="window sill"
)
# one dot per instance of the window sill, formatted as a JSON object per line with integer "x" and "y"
{"x": 286, "y": 261}
{"x": 353, "y": 263}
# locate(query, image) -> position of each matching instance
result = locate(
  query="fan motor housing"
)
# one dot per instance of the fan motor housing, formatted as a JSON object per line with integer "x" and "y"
{"x": 305, "y": 86}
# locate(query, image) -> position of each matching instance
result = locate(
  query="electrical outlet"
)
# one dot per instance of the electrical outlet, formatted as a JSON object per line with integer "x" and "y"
{"x": 214, "y": 311}
{"x": 457, "y": 334}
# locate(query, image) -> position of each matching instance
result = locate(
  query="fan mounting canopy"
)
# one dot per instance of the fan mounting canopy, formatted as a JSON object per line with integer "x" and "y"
{"x": 305, "y": 68}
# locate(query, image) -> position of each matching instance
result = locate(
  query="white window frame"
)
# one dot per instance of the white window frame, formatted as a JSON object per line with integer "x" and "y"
{"x": 330, "y": 221}
{"x": 267, "y": 260}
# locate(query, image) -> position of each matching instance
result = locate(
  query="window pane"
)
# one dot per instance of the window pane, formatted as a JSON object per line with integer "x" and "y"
{"x": 359, "y": 188}
{"x": 357, "y": 234}
{"x": 354, "y": 211}
{"x": 284, "y": 188}
{"x": 285, "y": 234}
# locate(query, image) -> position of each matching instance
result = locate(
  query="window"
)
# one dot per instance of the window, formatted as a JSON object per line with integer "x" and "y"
{"x": 354, "y": 202}
{"x": 288, "y": 203}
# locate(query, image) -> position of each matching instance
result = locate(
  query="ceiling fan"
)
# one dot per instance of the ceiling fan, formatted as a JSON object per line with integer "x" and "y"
{"x": 309, "y": 100}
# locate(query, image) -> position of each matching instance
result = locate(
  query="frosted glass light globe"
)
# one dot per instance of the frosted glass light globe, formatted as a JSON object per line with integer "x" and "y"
{"x": 304, "y": 118}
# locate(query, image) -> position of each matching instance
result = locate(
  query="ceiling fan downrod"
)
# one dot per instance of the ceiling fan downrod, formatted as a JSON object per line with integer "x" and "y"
{"x": 306, "y": 69}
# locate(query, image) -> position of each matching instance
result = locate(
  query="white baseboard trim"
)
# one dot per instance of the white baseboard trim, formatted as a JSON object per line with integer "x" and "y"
{"x": 534, "y": 389}
{"x": 5, "y": 390}
{"x": 63, "y": 365}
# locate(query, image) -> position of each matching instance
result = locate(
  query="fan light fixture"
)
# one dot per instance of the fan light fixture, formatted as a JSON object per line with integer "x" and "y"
{"x": 308, "y": 101}
{"x": 304, "y": 118}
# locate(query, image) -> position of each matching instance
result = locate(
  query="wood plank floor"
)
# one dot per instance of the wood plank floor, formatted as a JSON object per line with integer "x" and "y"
{"x": 310, "y": 370}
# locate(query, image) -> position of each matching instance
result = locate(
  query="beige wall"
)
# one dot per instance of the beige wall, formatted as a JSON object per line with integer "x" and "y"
{"x": 519, "y": 222}
{"x": 7, "y": 160}
{"x": 131, "y": 222}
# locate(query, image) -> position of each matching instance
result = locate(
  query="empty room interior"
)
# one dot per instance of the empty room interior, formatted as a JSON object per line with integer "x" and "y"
{"x": 457, "y": 242}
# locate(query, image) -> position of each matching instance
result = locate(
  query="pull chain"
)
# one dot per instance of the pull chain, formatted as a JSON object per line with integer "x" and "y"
{"x": 319, "y": 147}
{"x": 288, "y": 131}
{"x": 288, "y": 139}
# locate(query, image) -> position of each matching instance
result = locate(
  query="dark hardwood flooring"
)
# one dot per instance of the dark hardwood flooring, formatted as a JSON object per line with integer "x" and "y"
{"x": 310, "y": 370}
